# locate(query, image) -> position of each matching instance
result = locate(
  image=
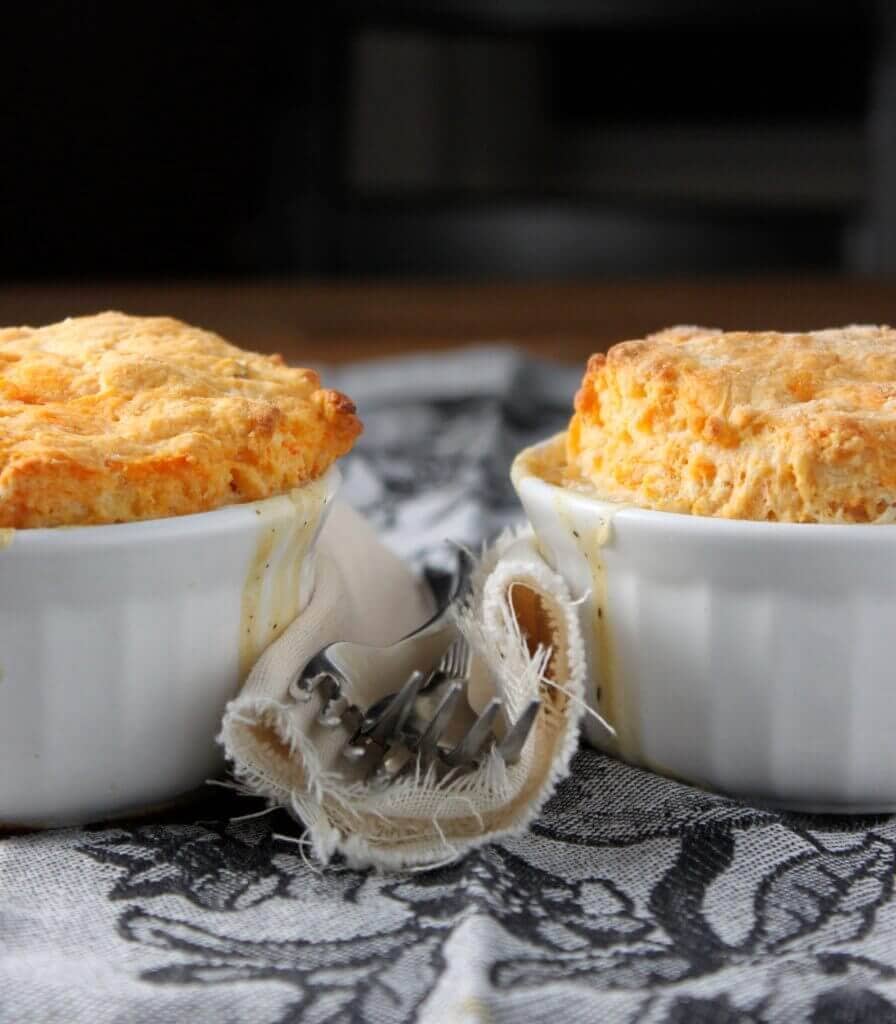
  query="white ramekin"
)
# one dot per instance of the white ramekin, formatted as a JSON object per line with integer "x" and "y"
{"x": 120, "y": 646}
{"x": 754, "y": 658}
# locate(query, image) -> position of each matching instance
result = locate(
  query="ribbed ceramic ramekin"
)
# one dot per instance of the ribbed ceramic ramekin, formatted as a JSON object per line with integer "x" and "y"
{"x": 754, "y": 658}
{"x": 120, "y": 645}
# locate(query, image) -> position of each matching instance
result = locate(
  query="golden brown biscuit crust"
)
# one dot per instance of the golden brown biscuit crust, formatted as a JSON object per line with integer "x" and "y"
{"x": 790, "y": 427}
{"x": 114, "y": 418}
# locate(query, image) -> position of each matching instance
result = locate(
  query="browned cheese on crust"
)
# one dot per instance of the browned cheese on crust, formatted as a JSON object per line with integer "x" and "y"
{"x": 114, "y": 418}
{"x": 762, "y": 426}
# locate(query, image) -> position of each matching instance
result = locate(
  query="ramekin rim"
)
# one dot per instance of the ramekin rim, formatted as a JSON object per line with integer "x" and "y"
{"x": 224, "y": 519}
{"x": 680, "y": 520}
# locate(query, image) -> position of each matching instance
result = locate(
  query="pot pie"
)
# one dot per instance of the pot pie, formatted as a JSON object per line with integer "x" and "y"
{"x": 763, "y": 426}
{"x": 114, "y": 418}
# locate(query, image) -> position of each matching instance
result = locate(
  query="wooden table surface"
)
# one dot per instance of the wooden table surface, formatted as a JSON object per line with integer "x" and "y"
{"x": 341, "y": 322}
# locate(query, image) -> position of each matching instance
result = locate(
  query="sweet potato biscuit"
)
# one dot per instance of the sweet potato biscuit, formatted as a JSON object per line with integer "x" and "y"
{"x": 114, "y": 418}
{"x": 790, "y": 427}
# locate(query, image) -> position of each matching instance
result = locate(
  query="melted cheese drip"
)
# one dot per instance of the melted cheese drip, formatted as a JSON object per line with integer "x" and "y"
{"x": 272, "y": 593}
{"x": 615, "y": 702}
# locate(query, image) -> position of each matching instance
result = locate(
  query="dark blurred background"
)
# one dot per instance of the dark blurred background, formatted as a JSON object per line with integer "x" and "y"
{"x": 467, "y": 140}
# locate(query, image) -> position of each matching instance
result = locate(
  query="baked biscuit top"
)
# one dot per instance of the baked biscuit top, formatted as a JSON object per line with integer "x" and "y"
{"x": 769, "y": 426}
{"x": 114, "y": 418}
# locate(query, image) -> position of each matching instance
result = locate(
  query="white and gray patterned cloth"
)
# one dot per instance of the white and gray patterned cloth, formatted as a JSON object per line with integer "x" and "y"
{"x": 632, "y": 899}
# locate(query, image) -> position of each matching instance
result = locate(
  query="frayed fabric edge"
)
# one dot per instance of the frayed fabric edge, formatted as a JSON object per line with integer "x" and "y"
{"x": 512, "y": 559}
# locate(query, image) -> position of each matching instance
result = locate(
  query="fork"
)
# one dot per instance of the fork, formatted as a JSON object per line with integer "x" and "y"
{"x": 428, "y": 720}
{"x": 440, "y": 694}
{"x": 416, "y": 719}
{"x": 454, "y": 739}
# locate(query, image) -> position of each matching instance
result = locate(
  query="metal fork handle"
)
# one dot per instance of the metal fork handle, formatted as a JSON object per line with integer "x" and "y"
{"x": 390, "y": 722}
{"x": 348, "y": 662}
{"x": 473, "y": 745}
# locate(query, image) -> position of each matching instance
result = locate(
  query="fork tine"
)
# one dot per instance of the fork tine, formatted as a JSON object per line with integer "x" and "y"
{"x": 447, "y": 665}
{"x": 512, "y": 745}
{"x": 464, "y": 658}
{"x": 478, "y": 735}
{"x": 392, "y": 717}
{"x": 428, "y": 745}
{"x": 456, "y": 660}
{"x": 390, "y": 767}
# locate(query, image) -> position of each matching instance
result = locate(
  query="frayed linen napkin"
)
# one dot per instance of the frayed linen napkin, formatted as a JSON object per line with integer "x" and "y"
{"x": 522, "y": 626}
